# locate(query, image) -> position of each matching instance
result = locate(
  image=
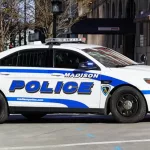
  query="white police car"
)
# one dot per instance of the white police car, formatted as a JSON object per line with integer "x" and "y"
{"x": 72, "y": 77}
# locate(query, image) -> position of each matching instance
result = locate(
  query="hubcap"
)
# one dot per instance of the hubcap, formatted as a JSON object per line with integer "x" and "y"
{"x": 127, "y": 105}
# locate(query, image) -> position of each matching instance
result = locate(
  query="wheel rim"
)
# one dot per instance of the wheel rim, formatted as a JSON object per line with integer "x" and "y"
{"x": 127, "y": 105}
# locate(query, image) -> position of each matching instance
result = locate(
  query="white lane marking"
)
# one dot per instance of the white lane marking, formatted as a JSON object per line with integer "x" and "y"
{"x": 75, "y": 144}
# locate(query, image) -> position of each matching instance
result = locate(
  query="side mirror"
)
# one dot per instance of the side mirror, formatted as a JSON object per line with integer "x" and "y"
{"x": 143, "y": 58}
{"x": 89, "y": 65}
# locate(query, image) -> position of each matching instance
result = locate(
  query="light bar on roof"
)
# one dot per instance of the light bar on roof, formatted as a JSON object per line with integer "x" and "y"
{"x": 63, "y": 40}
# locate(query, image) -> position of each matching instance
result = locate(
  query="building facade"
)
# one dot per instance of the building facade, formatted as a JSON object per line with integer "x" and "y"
{"x": 131, "y": 45}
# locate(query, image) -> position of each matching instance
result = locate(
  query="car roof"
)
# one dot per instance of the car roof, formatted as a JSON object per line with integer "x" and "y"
{"x": 13, "y": 50}
{"x": 38, "y": 46}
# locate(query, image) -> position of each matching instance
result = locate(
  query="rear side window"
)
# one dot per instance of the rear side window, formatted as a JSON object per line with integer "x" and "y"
{"x": 10, "y": 60}
{"x": 32, "y": 58}
{"x": 28, "y": 58}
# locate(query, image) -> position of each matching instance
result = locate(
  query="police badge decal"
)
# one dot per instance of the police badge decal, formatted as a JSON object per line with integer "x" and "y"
{"x": 105, "y": 89}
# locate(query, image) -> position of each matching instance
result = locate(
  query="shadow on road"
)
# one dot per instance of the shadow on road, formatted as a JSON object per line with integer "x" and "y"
{"x": 17, "y": 119}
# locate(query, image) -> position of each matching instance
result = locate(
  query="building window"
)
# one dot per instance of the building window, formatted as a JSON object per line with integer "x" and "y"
{"x": 120, "y": 37}
{"x": 98, "y": 15}
{"x": 120, "y": 40}
{"x": 120, "y": 9}
{"x": 107, "y": 10}
{"x": 141, "y": 28}
{"x": 148, "y": 29}
{"x": 92, "y": 13}
{"x": 130, "y": 9}
{"x": 94, "y": 10}
{"x": 113, "y": 16}
{"x": 103, "y": 11}
{"x": 113, "y": 41}
{"x": 113, "y": 10}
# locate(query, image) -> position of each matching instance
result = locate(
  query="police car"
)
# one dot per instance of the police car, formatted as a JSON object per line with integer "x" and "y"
{"x": 68, "y": 76}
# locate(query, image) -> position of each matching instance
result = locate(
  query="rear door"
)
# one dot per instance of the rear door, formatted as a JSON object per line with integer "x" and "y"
{"x": 25, "y": 73}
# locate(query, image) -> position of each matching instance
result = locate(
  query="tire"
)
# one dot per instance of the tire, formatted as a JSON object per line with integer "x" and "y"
{"x": 128, "y": 105}
{"x": 3, "y": 109}
{"x": 33, "y": 116}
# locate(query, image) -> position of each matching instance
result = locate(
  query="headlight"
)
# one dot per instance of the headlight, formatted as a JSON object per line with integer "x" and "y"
{"x": 147, "y": 80}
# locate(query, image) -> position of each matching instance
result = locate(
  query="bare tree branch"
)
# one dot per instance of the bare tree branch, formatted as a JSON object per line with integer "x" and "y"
{"x": 9, "y": 19}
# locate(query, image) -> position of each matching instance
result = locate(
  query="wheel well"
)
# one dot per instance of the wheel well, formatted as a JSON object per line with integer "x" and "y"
{"x": 107, "y": 104}
{"x": 5, "y": 99}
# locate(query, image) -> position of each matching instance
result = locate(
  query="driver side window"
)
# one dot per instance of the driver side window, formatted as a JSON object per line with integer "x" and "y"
{"x": 68, "y": 59}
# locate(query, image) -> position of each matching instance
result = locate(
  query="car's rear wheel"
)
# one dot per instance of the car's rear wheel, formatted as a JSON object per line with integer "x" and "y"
{"x": 3, "y": 109}
{"x": 33, "y": 116}
{"x": 128, "y": 105}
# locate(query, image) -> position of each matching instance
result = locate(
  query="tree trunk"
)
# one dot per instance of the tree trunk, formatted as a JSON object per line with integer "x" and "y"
{"x": 1, "y": 44}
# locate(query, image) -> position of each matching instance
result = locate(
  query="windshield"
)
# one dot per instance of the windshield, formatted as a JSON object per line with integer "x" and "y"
{"x": 109, "y": 57}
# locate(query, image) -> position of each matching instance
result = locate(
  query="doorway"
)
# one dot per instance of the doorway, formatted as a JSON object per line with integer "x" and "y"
{"x": 129, "y": 39}
{"x": 129, "y": 45}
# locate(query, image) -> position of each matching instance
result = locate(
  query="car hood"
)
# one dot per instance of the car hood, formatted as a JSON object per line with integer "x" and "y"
{"x": 139, "y": 69}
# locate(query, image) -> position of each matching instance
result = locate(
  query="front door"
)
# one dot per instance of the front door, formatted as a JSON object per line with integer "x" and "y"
{"x": 74, "y": 88}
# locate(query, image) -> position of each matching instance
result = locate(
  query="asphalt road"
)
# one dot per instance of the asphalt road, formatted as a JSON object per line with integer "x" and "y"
{"x": 73, "y": 133}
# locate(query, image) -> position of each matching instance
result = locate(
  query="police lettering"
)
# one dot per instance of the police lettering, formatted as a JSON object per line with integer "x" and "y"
{"x": 67, "y": 88}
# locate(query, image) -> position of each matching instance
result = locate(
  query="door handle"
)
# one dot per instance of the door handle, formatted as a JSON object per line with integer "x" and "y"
{"x": 57, "y": 75}
{"x": 4, "y": 73}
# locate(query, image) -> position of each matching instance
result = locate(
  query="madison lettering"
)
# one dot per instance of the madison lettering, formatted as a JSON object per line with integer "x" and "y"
{"x": 81, "y": 75}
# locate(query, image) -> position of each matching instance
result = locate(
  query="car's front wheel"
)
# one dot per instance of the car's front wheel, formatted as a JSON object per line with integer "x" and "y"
{"x": 33, "y": 116}
{"x": 128, "y": 105}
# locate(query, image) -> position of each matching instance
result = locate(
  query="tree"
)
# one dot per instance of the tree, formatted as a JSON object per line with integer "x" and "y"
{"x": 39, "y": 16}
{"x": 9, "y": 20}
{"x": 42, "y": 19}
{"x": 68, "y": 17}
{"x": 72, "y": 14}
